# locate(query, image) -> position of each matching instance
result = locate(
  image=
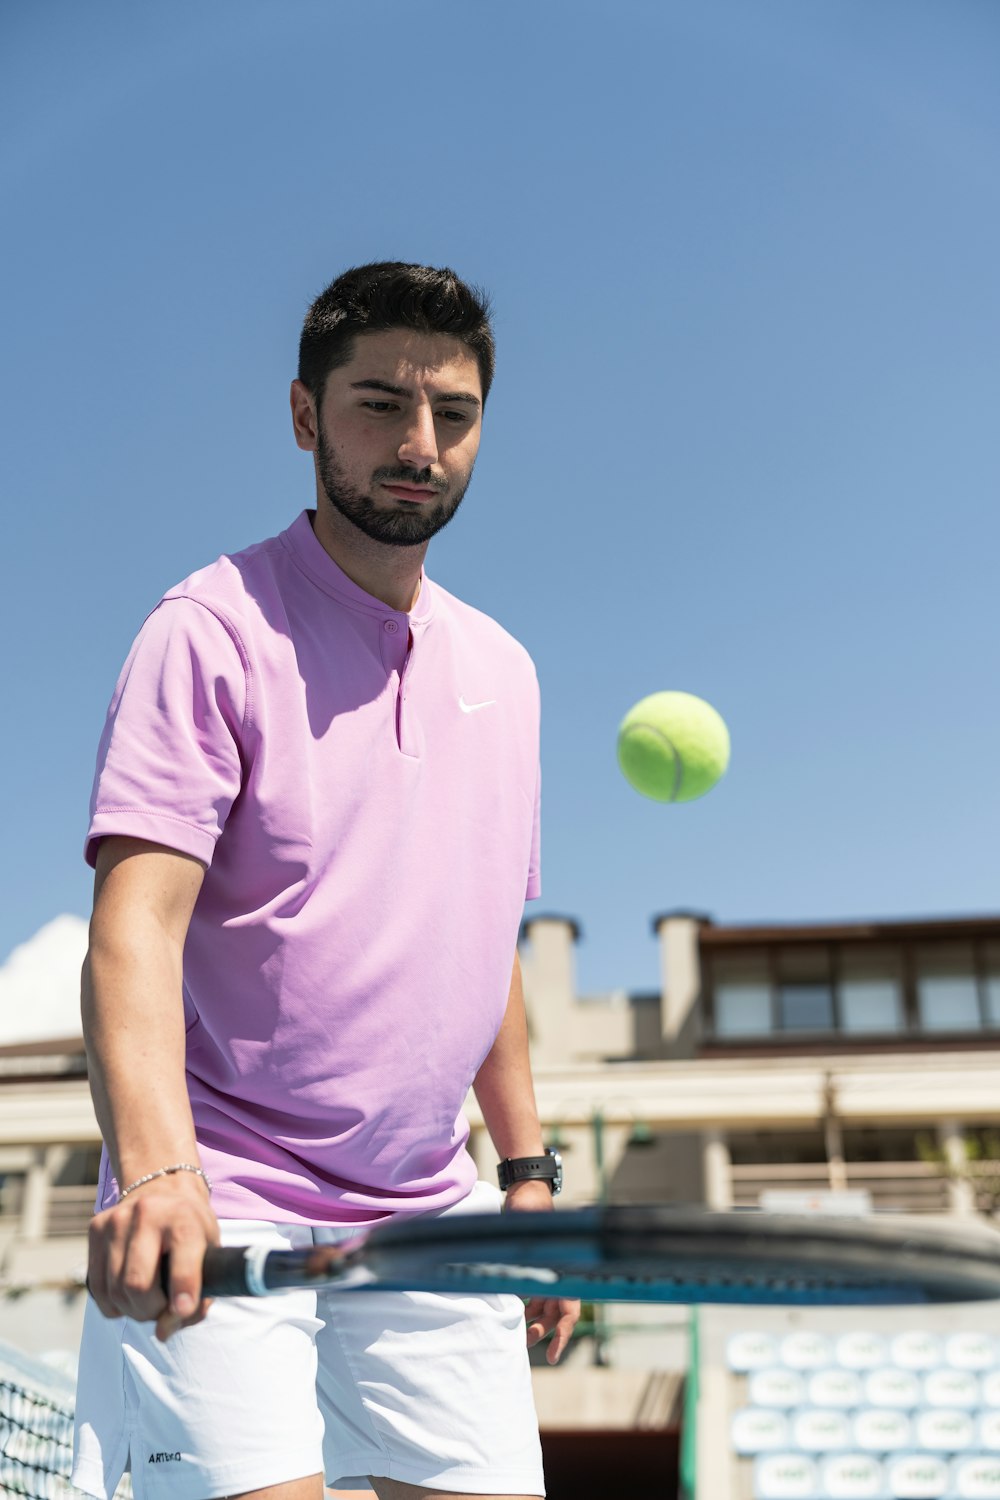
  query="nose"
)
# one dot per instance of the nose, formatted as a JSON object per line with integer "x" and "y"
{"x": 419, "y": 446}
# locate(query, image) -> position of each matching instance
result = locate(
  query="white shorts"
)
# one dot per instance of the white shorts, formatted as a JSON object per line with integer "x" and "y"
{"x": 433, "y": 1390}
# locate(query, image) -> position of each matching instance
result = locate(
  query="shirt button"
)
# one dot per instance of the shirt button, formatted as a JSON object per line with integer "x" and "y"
{"x": 390, "y": 627}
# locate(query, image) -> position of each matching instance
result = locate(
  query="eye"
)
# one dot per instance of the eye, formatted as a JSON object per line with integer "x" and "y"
{"x": 453, "y": 415}
{"x": 380, "y": 405}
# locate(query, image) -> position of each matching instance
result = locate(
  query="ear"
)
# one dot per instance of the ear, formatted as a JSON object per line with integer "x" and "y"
{"x": 304, "y": 420}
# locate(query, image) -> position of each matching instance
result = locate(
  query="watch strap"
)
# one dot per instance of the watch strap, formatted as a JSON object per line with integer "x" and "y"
{"x": 525, "y": 1168}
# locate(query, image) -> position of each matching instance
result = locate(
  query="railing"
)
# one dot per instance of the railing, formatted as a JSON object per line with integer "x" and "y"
{"x": 65, "y": 1211}
{"x": 985, "y": 1179}
{"x": 913, "y": 1187}
{"x": 902, "y": 1187}
{"x": 69, "y": 1210}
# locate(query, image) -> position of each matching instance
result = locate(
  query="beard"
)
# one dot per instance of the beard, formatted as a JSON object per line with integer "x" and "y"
{"x": 410, "y": 526}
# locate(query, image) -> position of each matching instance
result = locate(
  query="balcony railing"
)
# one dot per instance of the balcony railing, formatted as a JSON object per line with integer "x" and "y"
{"x": 913, "y": 1187}
{"x": 66, "y": 1211}
{"x": 70, "y": 1210}
{"x": 901, "y": 1187}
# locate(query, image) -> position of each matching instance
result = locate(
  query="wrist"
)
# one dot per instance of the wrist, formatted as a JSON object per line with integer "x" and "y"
{"x": 181, "y": 1176}
{"x": 532, "y": 1195}
{"x": 544, "y": 1168}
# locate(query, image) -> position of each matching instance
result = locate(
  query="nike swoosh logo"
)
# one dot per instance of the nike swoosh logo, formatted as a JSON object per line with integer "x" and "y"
{"x": 470, "y": 708}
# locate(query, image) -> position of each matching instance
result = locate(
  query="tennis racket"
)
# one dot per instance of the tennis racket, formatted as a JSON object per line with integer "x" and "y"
{"x": 626, "y": 1254}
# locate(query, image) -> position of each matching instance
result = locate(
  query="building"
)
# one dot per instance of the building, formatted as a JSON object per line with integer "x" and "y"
{"x": 823, "y": 1058}
{"x": 860, "y": 1056}
{"x": 831, "y": 1065}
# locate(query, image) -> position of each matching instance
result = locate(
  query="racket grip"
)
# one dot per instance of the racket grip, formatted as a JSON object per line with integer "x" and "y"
{"x": 223, "y": 1273}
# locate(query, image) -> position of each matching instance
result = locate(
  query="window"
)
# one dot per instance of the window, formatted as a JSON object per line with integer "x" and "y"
{"x": 81, "y": 1168}
{"x": 870, "y": 990}
{"x": 805, "y": 994}
{"x": 991, "y": 984}
{"x": 806, "y": 1007}
{"x": 856, "y": 988}
{"x": 742, "y": 989}
{"x": 881, "y": 1143}
{"x": 767, "y": 1148}
{"x": 11, "y": 1194}
{"x": 947, "y": 992}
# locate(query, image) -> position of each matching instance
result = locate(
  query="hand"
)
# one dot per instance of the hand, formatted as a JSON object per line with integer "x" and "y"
{"x": 555, "y": 1315}
{"x": 127, "y": 1242}
{"x": 544, "y": 1315}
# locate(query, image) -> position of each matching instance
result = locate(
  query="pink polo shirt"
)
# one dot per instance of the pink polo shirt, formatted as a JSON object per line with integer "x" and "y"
{"x": 362, "y": 786}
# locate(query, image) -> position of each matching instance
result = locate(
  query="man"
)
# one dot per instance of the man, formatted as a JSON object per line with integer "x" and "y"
{"x": 314, "y": 824}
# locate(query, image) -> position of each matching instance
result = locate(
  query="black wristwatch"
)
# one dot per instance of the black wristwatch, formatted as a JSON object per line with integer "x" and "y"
{"x": 523, "y": 1168}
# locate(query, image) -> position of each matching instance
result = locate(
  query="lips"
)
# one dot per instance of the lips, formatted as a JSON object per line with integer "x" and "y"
{"x": 410, "y": 492}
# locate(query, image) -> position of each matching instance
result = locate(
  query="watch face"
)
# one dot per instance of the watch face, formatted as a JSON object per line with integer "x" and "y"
{"x": 557, "y": 1180}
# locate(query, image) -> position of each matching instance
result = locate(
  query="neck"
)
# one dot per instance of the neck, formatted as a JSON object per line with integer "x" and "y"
{"x": 391, "y": 574}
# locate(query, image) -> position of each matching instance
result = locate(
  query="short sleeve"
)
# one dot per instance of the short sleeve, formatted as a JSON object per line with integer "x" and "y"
{"x": 170, "y": 762}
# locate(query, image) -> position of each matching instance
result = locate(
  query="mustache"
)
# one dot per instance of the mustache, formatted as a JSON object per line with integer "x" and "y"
{"x": 402, "y": 475}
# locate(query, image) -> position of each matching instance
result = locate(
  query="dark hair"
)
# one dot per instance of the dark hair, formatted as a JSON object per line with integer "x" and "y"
{"x": 392, "y": 294}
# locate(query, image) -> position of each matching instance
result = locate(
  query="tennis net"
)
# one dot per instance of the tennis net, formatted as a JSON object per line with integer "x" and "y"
{"x": 36, "y": 1429}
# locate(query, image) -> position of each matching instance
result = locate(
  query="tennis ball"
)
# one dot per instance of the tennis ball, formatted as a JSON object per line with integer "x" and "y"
{"x": 673, "y": 747}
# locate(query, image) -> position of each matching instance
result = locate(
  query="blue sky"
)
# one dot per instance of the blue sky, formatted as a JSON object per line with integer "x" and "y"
{"x": 743, "y": 441}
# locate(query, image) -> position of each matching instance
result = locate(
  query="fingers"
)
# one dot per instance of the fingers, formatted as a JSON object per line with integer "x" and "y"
{"x": 123, "y": 1268}
{"x": 127, "y": 1246}
{"x": 185, "y": 1245}
{"x": 185, "y": 1252}
{"x": 557, "y": 1316}
{"x": 563, "y": 1331}
{"x": 535, "y": 1319}
{"x": 170, "y": 1322}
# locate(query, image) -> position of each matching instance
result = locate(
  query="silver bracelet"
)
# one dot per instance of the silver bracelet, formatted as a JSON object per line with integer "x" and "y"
{"x": 182, "y": 1166}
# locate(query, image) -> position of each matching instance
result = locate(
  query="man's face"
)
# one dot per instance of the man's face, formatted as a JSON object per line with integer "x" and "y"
{"x": 397, "y": 434}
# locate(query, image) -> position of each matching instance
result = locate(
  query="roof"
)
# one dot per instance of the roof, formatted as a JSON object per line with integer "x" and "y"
{"x": 933, "y": 929}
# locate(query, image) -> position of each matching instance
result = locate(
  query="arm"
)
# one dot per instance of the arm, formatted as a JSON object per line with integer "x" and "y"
{"x": 506, "y": 1097}
{"x": 133, "y": 1024}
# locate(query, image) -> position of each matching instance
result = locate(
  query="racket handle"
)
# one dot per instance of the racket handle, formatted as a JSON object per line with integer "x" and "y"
{"x": 224, "y": 1273}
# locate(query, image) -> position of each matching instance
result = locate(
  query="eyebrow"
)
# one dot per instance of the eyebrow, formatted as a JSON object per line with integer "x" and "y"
{"x": 401, "y": 390}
